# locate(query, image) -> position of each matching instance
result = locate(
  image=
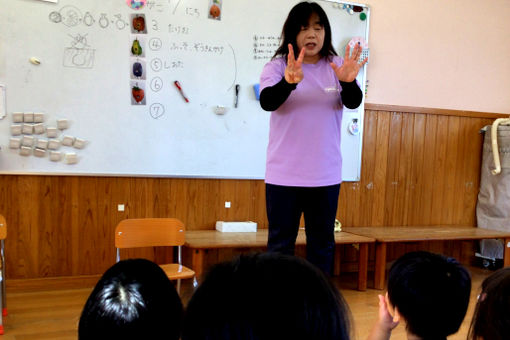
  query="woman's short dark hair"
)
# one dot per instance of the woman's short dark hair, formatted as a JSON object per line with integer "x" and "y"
{"x": 491, "y": 319}
{"x": 299, "y": 17}
{"x": 264, "y": 297}
{"x": 134, "y": 299}
{"x": 431, "y": 292}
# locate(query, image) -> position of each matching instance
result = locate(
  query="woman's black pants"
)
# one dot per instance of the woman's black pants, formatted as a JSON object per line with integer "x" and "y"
{"x": 284, "y": 206}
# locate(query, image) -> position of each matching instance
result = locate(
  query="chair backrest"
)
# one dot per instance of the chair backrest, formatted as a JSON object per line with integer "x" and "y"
{"x": 3, "y": 228}
{"x": 149, "y": 232}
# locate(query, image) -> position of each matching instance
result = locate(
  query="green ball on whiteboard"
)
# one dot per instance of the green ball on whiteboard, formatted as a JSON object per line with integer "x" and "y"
{"x": 362, "y": 16}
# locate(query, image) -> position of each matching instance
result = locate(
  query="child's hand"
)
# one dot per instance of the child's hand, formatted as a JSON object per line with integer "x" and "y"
{"x": 350, "y": 68}
{"x": 386, "y": 321}
{"x": 385, "y": 324}
{"x": 293, "y": 71}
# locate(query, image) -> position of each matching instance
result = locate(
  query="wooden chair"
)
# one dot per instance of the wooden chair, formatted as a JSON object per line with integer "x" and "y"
{"x": 3, "y": 303}
{"x": 155, "y": 232}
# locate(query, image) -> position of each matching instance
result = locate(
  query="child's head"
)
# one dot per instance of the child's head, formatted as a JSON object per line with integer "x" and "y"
{"x": 134, "y": 299}
{"x": 298, "y": 18}
{"x": 430, "y": 292}
{"x": 491, "y": 320}
{"x": 266, "y": 296}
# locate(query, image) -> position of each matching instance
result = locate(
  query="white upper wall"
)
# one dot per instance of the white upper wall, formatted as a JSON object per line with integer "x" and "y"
{"x": 452, "y": 54}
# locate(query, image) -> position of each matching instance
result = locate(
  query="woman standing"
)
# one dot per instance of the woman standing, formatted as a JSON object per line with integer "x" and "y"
{"x": 306, "y": 96}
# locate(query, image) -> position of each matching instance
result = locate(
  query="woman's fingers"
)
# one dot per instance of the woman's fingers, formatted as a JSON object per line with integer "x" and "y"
{"x": 347, "y": 52}
{"x": 290, "y": 57}
{"x": 301, "y": 56}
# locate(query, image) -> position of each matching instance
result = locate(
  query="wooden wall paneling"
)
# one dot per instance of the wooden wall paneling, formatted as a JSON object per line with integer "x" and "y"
{"x": 91, "y": 242}
{"x": 460, "y": 171}
{"x": 449, "y": 193}
{"x": 405, "y": 168}
{"x": 73, "y": 190}
{"x": 380, "y": 170}
{"x": 440, "y": 170}
{"x": 54, "y": 227}
{"x": 259, "y": 203}
{"x": 473, "y": 166}
{"x": 27, "y": 217}
{"x": 368, "y": 168}
{"x": 393, "y": 183}
{"x": 428, "y": 169}
{"x": 416, "y": 175}
{"x": 242, "y": 202}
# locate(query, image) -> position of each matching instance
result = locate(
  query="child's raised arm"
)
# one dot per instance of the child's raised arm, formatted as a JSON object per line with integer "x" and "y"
{"x": 385, "y": 324}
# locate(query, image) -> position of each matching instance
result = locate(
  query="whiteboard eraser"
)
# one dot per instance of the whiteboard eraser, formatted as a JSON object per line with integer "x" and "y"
{"x": 38, "y": 117}
{"x": 27, "y": 141}
{"x": 17, "y": 117}
{"x": 39, "y": 152}
{"x": 62, "y": 124}
{"x": 79, "y": 143}
{"x": 68, "y": 141}
{"x": 16, "y": 129}
{"x": 236, "y": 227}
{"x": 55, "y": 156}
{"x": 28, "y": 129}
{"x": 53, "y": 144}
{"x": 71, "y": 158}
{"x": 39, "y": 128}
{"x": 51, "y": 132}
{"x": 14, "y": 143}
{"x": 25, "y": 151}
{"x": 42, "y": 144}
{"x": 28, "y": 117}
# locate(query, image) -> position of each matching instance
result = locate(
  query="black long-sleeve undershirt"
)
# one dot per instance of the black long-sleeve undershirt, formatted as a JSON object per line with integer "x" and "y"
{"x": 272, "y": 97}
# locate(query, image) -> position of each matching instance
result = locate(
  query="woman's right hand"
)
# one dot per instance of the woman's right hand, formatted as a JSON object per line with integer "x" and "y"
{"x": 293, "y": 71}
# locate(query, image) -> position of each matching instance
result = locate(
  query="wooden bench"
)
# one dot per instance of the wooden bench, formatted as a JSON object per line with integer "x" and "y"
{"x": 199, "y": 241}
{"x": 393, "y": 234}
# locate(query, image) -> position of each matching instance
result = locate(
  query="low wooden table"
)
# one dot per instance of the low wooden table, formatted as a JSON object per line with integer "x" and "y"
{"x": 201, "y": 240}
{"x": 390, "y": 234}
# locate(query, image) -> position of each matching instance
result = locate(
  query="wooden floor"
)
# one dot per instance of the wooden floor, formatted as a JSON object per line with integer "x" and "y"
{"x": 46, "y": 313}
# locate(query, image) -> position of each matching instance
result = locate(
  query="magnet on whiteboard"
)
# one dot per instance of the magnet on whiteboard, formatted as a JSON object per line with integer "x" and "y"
{"x": 53, "y": 144}
{"x": 14, "y": 143}
{"x": 28, "y": 117}
{"x": 220, "y": 110}
{"x": 28, "y": 129}
{"x": 71, "y": 158}
{"x": 51, "y": 132}
{"x": 27, "y": 141}
{"x": 42, "y": 144}
{"x": 55, "y": 156}
{"x": 17, "y": 117}
{"x": 68, "y": 141}
{"x": 79, "y": 143}
{"x": 38, "y": 117}
{"x": 25, "y": 151}
{"x": 39, "y": 128}
{"x": 39, "y": 152}
{"x": 62, "y": 124}
{"x": 35, "y": 61}
{"x": 16, "y": 129}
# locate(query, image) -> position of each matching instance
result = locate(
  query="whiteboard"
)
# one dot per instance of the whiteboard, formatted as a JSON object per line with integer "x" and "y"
{"x": 72, "y": 61}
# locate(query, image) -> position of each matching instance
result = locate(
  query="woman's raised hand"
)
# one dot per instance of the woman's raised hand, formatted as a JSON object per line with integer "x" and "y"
{"x": 294, "y": 71}
{"x": 350, "y": 68}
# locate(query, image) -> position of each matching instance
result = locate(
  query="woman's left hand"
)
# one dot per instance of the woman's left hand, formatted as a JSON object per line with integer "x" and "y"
{"x": 350, "y": 68}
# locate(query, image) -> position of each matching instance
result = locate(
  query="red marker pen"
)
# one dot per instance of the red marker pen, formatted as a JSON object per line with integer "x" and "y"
{"x": 178, "y": 85}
